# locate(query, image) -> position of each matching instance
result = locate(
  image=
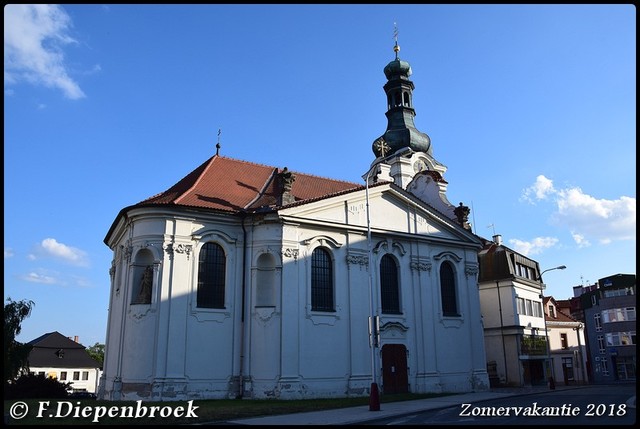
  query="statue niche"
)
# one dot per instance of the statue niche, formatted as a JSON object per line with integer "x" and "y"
{"x": 144, "y": 289}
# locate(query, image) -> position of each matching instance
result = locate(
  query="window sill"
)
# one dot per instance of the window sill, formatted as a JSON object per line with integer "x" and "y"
{"x": 210, "y": 314}
{"x": 452, "y": 321}
{"x": 323, "y": 318}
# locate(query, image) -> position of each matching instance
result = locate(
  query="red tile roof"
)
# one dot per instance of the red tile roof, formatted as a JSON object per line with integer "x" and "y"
{"x": 227, "y": 184}
{"x": 560, "y": 316}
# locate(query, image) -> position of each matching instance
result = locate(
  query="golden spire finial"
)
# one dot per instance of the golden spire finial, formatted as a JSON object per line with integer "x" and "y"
{"x": 396, "y": 48}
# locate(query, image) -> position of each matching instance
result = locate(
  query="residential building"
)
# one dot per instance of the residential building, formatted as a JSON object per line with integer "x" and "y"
{"x": 566, "y": 343}
{"x": 610, "y": 318}
{"x": 251, "y": 281}
{"x": 514, "y": 326}
{"x": 65, "y": 359}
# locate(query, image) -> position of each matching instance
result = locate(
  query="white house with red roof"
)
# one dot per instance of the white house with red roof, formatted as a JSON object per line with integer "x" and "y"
{"x": 251, "y": 281}
{"x": 567, "y": 345}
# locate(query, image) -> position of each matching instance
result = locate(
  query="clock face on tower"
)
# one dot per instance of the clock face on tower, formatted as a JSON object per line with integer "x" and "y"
{"x": 419, "y": 166}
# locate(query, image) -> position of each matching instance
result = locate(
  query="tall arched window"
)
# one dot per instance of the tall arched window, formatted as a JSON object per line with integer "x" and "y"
{"x": 321, "y": 281}
{"x": 211, "y": 276}
{"x": 397, "y": 98}
{"x": 389, "y": 290}
{"x": 406, "y": 99}
{"x": 448, "y": 290}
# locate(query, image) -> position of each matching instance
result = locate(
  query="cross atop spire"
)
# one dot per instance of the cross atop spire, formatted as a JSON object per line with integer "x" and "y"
{"x": 218, "y": 144}
{"x": 396, "y": 48}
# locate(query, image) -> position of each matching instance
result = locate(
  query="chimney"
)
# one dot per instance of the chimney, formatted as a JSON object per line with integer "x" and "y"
{"x": 286, "y": 179}
{"x": 497, "y": 239}
{"x": 75, "y": 338}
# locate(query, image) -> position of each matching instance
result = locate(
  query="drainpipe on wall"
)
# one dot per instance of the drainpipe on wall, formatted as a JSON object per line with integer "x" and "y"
{"x": 240, "y": 393}
{"x": 504, "y": 350}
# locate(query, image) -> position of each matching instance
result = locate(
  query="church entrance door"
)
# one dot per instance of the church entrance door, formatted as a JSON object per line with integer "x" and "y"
{"x": 394, "y": 369}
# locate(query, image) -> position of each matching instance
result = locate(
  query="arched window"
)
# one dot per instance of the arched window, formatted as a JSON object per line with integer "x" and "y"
{"x": 448, "y": 290}
{"x": 397, "y": 98}
{"x": 321, "y": 281}
{"x": 406, "y": 99}
{"x": 211, "y": 276}
{"x": 389, "y": 290}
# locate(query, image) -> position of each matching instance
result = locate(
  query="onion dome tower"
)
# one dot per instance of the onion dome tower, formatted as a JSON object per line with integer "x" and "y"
{"x": 404, "y": 155}
{"x": 401, "y": 131}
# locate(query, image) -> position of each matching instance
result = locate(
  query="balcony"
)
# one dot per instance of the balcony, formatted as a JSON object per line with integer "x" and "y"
{"x": 533, "y": 345}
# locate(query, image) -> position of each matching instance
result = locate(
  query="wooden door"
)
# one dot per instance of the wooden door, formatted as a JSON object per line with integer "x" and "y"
{"x": 394, "y": 369}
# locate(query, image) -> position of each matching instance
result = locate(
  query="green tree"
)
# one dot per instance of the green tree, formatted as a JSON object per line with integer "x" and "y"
{"x": 96, "y": 351}
{"x": 15, "y": 353}
{"x": 30, "y": 385}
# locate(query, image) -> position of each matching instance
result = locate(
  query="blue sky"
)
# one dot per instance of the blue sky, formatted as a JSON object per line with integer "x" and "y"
{"x": 531, "y": 107}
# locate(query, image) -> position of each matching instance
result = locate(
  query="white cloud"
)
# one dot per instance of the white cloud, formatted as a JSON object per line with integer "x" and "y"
{"x": 598, "y": 219}
{"x": 586, "y": 217}
{"x": 33, "y": 38}
{"x": 8, "y": 252}
{"x": 580, "y": 240}
{"x": 39, "y": 278}
{"x": 51, "y": 247}
{"x": 540, "y": 189}
{"x": 533, "y": 247}
{"x": 49, "y": 277}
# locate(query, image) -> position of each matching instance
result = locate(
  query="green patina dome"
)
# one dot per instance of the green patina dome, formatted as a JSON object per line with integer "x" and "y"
{"x": 397, "y": 67}
{"x": 401, "y": 131}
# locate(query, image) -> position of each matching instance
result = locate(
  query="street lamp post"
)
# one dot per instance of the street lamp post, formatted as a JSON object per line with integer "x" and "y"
{"x": 374, "y": 396}
{"x": 580, "y": 357}
{"x": 552, "y": 384}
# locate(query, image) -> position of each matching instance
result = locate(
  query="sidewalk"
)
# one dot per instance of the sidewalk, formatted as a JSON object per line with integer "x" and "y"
{"x": 354, "y": 415}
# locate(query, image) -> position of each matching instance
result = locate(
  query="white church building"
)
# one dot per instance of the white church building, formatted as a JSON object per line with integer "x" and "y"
{"x": 244, "y": 280}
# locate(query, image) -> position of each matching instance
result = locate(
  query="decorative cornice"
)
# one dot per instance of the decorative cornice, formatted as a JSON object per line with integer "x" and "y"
{"x": 126, "y": 250}
{"x": 447, "y": 255}
{"x": 171, "y": 248}
{"x": 289, "y": 252}
{"x": 400, "y": 247}
{"x": 397, "y": 325}
{"x": 420, "y": 266}
{"x": 380, "y": 245}
{"x": 358, "y": 259}
{"x": 264, "y": 314}
{"x": 470, "y": 269}
{"x": 384, "y": 244}
{"x": 324, "y": 240}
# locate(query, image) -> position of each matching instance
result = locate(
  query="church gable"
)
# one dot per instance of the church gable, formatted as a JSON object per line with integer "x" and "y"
{"x": 390, "y": 209}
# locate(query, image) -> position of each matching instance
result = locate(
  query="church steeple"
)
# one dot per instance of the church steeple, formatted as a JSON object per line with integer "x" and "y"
{"x": 401, "y": 131}
{"x": 403, "y": 154}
